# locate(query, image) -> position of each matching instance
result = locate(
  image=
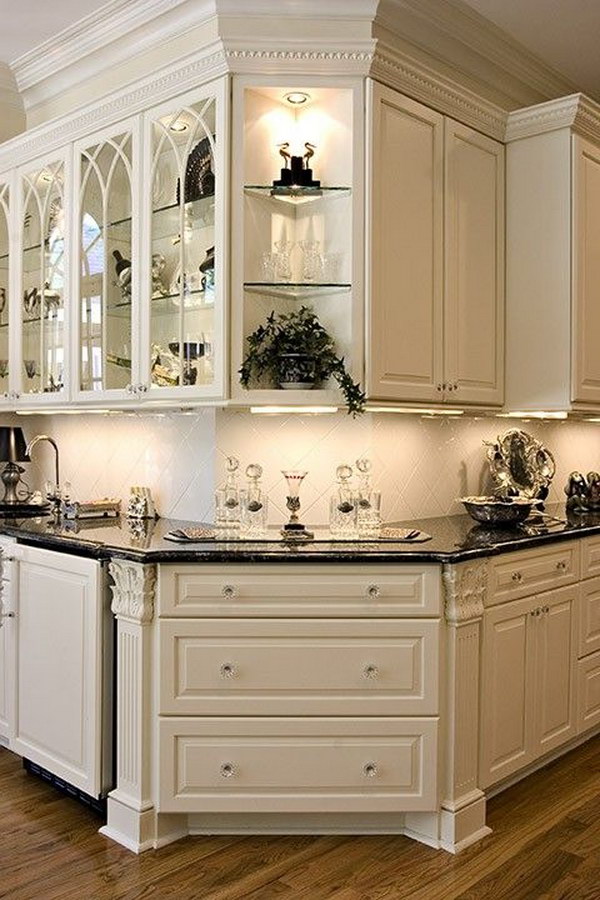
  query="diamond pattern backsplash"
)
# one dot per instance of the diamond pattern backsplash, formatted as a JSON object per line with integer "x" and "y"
{"x": 421, "y": 464}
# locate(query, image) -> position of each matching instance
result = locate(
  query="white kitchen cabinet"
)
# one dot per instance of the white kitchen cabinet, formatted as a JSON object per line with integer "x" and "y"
{"x": 553, "y": 270}
{"x": 62, "y": 667}
{"x": 528, "y": 692}
{"x": 7, "y": 641}
{"x": 436, "y": 304}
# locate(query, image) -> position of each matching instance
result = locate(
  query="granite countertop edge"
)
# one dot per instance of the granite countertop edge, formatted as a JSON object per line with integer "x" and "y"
{"x": 114, "y": 542}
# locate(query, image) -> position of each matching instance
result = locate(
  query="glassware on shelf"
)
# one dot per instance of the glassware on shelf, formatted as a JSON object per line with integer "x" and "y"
{"x": 312, "y": 260}
{"x": 254, "y": 503}
{"x": 282, "y": 260}
{"x": 342, "y": 507}
{"x": 3, "y": 368}
{"x": 227, "y": 498}
{"x": 31, "y": 368}
{"x": 368, "y": 502}
{"x": 268, "y": 266}
{"x": 294, "y": 530}
{"x": 159, "y": 288}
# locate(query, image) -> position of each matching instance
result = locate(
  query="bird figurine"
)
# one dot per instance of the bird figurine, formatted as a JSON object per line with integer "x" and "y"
{"x": 310, "y": 151}
{"x": 283, "y": 151}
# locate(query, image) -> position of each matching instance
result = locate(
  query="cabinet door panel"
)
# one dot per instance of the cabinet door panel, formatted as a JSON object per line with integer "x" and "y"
{"x": 474, "y": 254}
{"x": 589, "y": 617}
{"x": 507, "y": 682}
{"x": 586, "y": 273}
{"x": 555, "y": 655}
{"x": 588, "y": 692}
{"x": 406, "y": 253}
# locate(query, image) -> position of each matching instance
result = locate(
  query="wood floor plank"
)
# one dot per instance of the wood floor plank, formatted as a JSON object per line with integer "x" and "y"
{"x": 545, "y": 846}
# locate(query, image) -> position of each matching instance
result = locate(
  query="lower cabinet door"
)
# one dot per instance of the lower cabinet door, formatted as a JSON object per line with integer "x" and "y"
{"x": 59, "y": 686}
{"x": 507, "y": 680}
{"x": 554, "y": 703}
{"x": 297, "y": 765}
{"x": 588, "y": 692}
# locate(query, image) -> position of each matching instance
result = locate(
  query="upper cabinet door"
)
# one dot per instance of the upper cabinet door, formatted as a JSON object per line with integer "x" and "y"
{"x": 43, "y": 281}
{"x": 585, "y": 382}
{"x": 474, "y": 271}
{"x": 5, "y": 199}
{"x": 183, "y": 283}
{"x": 406, "y": 249}
{"x": 106, "y": 226}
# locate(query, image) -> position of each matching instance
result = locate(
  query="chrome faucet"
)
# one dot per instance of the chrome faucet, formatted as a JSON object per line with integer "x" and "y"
{"x": 45, "y": 437}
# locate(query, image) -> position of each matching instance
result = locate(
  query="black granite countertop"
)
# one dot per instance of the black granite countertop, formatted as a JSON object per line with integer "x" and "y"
{"x": 453, "y": 539}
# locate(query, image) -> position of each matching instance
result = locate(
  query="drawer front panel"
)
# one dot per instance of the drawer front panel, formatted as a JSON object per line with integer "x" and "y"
{"x": 296, "y": 765}
{"x": 287, "y": 590}
{"x": 589, "y": 617}
{"x": 590, "y": 557}
{"x": 588, "y": 693}
{"x": 313, "y": 667}
{"x": 528, "y": 572}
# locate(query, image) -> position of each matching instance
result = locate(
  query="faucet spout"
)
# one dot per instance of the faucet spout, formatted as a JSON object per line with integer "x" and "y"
{"x": 45, "y": 437}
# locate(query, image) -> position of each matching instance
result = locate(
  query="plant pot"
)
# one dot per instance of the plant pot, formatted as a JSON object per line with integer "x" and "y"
{"x": 296, "y": 371}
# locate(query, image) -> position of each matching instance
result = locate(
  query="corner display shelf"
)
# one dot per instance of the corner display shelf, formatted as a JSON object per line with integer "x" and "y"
{"x": 296, "y": 291}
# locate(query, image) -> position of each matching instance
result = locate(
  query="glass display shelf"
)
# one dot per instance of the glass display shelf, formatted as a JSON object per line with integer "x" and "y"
{"x": 197, "y": 214}
{"x": 3, "y": 325}
{"x": 296, "y": 195}
{"x": 37, "y": 319}
{"x": 3, "y": 256}
{"x": 168, "y": 304}
{"x": 295, "y": 290}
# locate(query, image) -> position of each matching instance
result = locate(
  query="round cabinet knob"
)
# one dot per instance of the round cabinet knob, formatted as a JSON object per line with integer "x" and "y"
{"x": 227, "y": 670}
{"x": 227, "y": 770}
{"x": 373, "y": 590}
{"x": 370, "y": 770}
{"x": 450, "y": 387}
{"x": 545, "y": 609}
{"x": 517, "y": 577}
{"x": 8, "y": 615}
{"x": 439, "y": 388}
{"x": 561, "y": 565}
{"x": 370, "y": 671}
{"x": 129, "y": 388}
{"x": 228, "y": 590}
{"x": 142, "y": 388}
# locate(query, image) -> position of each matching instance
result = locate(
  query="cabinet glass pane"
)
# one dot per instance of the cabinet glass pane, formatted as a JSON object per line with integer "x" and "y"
{"x": 105, "y": 270}
{"x": 4, "y": 200}
{"x": 43, "y": 280}
{"x": 183, "y": 237}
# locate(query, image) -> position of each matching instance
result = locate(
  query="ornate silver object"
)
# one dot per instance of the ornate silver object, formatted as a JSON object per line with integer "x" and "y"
{"x": 520, "y": 465}
{"x": 496, "y": 511}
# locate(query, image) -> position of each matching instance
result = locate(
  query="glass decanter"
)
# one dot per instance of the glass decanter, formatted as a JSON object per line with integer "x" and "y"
{"x": 282, "y": 260}
{"x": 312, "y": 260}
{"x": 368, "y": 502}
{"x": 342, "y": 506}
{"x": 294, "y": 530}
{"x": 227, "y": 498}
{"x": 254, "y": 503}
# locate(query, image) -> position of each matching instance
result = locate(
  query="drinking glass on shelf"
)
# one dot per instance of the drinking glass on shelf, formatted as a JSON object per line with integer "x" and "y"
{"x": 332, "y": 265}
{"x": 312, "y": 260}
{"x": 268, "y": 266}
{"x": 31, "y": 369}
{"x": 282, "y": 255}
{"x": 3, "y": 368}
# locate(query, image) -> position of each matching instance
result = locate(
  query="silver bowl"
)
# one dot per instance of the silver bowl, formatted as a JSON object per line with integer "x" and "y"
{"x": 498, "y": 513}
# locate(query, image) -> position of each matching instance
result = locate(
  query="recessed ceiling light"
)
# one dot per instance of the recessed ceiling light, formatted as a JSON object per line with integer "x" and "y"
{"x": 296, "y": 98}
{"x": 178, "y": 125}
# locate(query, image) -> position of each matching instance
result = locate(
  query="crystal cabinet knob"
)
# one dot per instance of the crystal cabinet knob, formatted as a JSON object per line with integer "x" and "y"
{"x": 370, "y": 671}
{"x": 517, "y": 577}
{"x": 370, "y": 770}
{"x": 561, "y": 565}
{"x": 228, "y": 590}
{"x": 227, "y": 770}
{"x": 227, "y": 670}
{"x": 373, "y": 590}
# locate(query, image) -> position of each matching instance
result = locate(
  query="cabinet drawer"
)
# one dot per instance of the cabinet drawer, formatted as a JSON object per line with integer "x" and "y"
{"x": 588, "y": 692}
{"x": 589, "y": 616}
{"x": 590, "y": 557}
{"x": 287, "y": 590}
{"x": 308, "y": 667}
{"x": 297, "y": 765}
{"x": 531, "y": 571}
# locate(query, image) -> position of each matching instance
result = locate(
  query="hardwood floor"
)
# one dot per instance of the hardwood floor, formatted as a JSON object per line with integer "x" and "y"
{"x": 545, "y": 846}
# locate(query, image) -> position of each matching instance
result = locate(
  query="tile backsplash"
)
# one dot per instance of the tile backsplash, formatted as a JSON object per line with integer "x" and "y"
{"x": 421, "y": 464}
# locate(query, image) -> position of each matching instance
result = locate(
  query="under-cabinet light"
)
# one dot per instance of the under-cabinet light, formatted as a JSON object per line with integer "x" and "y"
{"x": 416, "y": 411}
{"x": 296, "y": 98}
{"x": 533, "y": 414}
{"x": 58, "y": 411}
{"x": 298, "y": 410}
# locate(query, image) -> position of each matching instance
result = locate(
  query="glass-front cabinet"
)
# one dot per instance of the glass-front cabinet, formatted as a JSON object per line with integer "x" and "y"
{"x": 42, "y": 364}
{"x": 106, "y": 279}
{"x": 183, "y": 353}
{"x": 4, "y": 287}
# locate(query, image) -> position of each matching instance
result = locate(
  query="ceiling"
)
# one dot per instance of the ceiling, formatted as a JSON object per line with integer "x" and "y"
{"x": 565, "y": 34}
{"x": 28, "y": 23}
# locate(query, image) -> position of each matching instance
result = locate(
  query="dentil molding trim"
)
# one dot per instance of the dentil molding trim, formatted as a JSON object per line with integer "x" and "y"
{"x": 465, "y": 588}
{"x": 133, "y": 590}
{"x": 576, "y": 111}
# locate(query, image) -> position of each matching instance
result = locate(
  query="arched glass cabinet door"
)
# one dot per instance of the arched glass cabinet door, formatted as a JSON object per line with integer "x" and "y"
{"x": 43, "y": 282}
{"x": 106, "y": 277}
{"x": 4, "y": 289}
{"x": 184, "y": 338}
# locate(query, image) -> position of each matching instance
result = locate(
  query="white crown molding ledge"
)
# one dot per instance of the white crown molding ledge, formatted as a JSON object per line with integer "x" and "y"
{"x": 12, "y": 112}
{"x": 576, "y": 112}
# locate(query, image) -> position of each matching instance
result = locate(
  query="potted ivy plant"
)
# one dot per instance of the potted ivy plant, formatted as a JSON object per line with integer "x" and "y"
{"x": 294, "y": 351}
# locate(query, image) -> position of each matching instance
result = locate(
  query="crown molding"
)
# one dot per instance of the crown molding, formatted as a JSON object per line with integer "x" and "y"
{"x": 423, "y": 83}
{"x": 338, "y": 58}
{"x": 576, "y": 112}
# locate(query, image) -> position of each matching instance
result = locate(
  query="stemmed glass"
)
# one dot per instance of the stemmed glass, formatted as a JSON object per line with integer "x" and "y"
{"x": 294, "y": 530}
